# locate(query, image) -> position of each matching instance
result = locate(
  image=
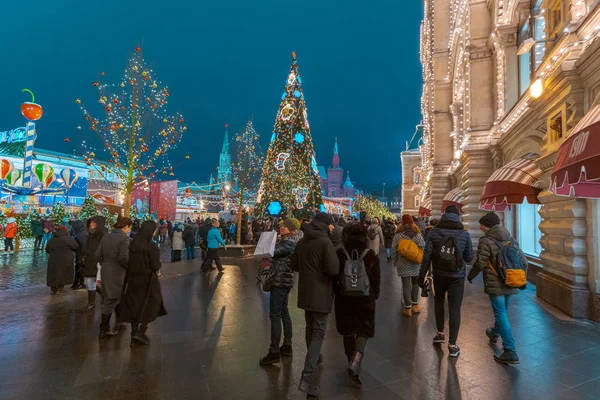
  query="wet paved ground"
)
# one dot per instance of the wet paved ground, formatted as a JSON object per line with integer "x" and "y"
{"x": 209, "y": 345}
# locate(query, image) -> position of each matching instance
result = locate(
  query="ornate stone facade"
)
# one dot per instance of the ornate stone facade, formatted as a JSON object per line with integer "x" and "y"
{"x": 482, "y": 60}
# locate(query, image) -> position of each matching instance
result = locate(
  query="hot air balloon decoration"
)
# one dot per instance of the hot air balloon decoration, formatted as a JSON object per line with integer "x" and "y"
{"x": 69, "y": 177}
{"x": 13, "y": 176}
{"x": 6, "y": 168}
{"x": 44, "y": 173}
{"x": 31, "y": 110}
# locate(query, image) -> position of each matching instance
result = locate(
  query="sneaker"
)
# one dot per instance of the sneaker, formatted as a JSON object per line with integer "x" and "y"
{"x": 489, "y": 332}
{"x": 270, "y": 358}
{"x": 416, "y": 309}
{"x": 507, "y": 357}
{"x": 439, "y": 338}
{"x": 453, "y": 349}
{"x": 407, "y": 312}
{"x": 286, "y": 351}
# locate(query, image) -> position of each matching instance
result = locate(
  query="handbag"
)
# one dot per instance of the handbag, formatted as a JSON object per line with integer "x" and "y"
{"x": 266, "y": 278}
{"x": 266, "y": 244}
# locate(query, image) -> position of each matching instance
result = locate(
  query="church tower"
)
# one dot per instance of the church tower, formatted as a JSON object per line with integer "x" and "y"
{"x": 225, "y": 172}
{"x": 335, "y": 175}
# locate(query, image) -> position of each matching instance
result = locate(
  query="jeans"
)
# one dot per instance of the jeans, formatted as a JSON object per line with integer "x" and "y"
{"x": 38, "y": 242}
{"x": 212, "y": 255}
{"x": 90, "y": 283}
{"x": 190, "y": 252}
{"x": 279, "y": 313}
{"x": 502, "y": 325}
{"x": 455, "y": 287}
{"x": 316, "y": 324}
{"x": 8, "y": 244}
{"x": 45, "y": 238}
{"x": 389, "y": 252}
{"x": 411, "y": 293}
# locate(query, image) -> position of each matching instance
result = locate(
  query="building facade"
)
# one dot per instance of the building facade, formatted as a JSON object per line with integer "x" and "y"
{"x": 505, "y": 84}
{"x": 332, "y": 179}
{"x": 411, "y": 181}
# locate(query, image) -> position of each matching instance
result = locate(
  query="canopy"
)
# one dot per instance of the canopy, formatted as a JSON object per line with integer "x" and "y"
{"x": 425, "y": 208}
{"x": 511, "y": 184}
{"x": 453, "y": 198}
{"x": 577, "y": 168}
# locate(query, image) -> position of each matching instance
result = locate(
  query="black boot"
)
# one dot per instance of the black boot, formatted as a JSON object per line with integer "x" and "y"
{"x": 105, "y": 326}
{"x": 134, "y": 334}
{"x": 354, "y": 367}
{"x": 91, "y": 300}
{"x": 140, "y": 335}
{"x": 270, "y": 358}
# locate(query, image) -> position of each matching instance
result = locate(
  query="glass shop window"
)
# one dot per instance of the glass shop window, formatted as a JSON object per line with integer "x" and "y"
{"x": 539, "y": 34}
{"x": 529, "y": 234}
{"x": 524, "y": 61}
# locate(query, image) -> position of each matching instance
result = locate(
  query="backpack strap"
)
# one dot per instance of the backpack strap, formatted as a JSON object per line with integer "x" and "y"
{"x": 364, "y": 254}
{"x": 346, "y": 254}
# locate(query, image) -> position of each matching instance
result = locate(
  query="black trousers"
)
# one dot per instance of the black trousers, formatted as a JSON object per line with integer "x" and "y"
{"x": 212, "y": 255}
{"x": 455, "y": 287}
{"x": 38, "y": 242}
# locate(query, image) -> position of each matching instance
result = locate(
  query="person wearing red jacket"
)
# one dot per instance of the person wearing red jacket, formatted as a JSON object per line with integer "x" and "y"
{"x": 10, "y": 231}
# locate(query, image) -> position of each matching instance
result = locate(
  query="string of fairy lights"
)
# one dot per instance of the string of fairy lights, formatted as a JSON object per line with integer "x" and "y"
{"x": 135, "y": 128}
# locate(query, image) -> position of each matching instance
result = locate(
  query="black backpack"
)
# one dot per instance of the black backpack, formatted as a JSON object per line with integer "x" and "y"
{"x": 447, "y": 255}
{"x": 355, "y": 281}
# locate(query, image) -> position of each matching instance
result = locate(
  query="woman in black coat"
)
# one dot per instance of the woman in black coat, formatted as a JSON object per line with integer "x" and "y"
{"x": 355, "y": 316}
{"x": 60, "y": 260}
{"x": 96, "y": 232}
{"x": 141, "y": 301}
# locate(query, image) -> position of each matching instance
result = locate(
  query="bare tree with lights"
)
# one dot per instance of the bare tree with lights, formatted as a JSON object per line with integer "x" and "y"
{"x": 246, "y": 169}
{"x": 136, "y": 130}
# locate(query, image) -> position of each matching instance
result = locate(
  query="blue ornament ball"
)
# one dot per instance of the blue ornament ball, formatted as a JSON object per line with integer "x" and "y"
{"x": 297, "y": 94}
{"x": 283, "y": 95}
{"x": 299, "y": 138}
{"x": 273, "y": 137}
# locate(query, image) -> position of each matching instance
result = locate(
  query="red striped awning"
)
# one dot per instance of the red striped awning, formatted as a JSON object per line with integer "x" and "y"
{"x": 577, "y": 168}
{"x": 453, "y": 198}
{"x": 511, "y": 184}
{"x": 425, "y": 209}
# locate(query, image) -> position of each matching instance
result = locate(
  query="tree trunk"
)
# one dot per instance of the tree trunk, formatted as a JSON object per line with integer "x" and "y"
{"x": 239, "y": 216}
{"x": 127, "y": 204}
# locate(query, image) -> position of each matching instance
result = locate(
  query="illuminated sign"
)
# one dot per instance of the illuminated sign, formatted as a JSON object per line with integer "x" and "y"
{"x": 17, "y": 135}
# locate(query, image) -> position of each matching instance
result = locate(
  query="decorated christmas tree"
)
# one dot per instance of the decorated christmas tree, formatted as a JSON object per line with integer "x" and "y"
{"x": 88, "y": 208}
{"x": 372, "y": 206}
{"x": 33, "y": 215}
{"x": 58, "y": 213}
{"x": 23, "y": 228}
{"x": 290, "y": 179}
{"x": 111, "y": 219}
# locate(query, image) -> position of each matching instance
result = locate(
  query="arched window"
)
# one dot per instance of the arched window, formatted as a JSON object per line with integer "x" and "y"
{"x": 417, "y": 176}
{"x": 333, "y": 193}
{"x": 417, "y": 201}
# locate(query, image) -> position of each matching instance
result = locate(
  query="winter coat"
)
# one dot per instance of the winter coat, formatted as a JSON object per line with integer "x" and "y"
{"x": 449, "y": 225}
{"x": 60, "y": 250}
{"x": 214, "y": 238}
{"x": 90, "y": 267}
{"x": 81, "y": 237}
{"x": 281, "y": 262}
{"x": 189, "y": 237}
{"x": 113, "y": 254}
{"x": 389, "y": 230}
{"x": 375, "y": 244}
{"x": 36, "y": 228}
{"x": 142, "y": 300}
{"x": 404, "y": 267}
{"x": 487, "y": 250}
{"x": 337, "y": 236}
{"x": 356, "y": 315}
{"x": 177, "y": 240}
{"x": 10, "y": 230}
{"x": 48, "y": 225}
{"x": 317, "y": 263}
{"x": 206, "y": 227}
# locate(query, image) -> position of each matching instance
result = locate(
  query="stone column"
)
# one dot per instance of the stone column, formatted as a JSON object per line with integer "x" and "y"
{"x": 593, "y": 242}
{"x": 440, "y": 186}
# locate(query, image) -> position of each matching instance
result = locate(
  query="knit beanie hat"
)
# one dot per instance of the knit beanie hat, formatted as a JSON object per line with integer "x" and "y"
{"x": 452, "y": 210}
{"x": 292, "y": 224}
{"x": 325, "y": 218}
{"x": 407, "y": 220}
{"x": 490, "y": 220}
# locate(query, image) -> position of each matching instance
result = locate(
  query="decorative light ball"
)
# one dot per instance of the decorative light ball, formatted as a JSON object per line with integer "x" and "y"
{"x": 31, "y": 111}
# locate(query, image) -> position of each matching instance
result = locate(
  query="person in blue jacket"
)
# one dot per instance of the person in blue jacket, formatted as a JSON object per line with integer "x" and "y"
{"x": 214, "y": 240}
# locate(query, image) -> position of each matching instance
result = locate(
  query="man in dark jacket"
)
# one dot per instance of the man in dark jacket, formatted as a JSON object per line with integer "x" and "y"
{"x": 81, "y": 236}
{"x": 189, "y": 240}
{"x": 317, "y": 263}
{"x": 448, "y": 249}
{"x": 90, "y": 264}
{"x": 500, "y": 294}
{"x": 38, "y": 233}
{"x": 281, "y": 284}
{"x": 389, "y": 231}
{"x": 337, "y": 236}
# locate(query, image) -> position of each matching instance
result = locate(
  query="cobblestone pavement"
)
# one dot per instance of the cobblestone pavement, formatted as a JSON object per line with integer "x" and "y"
{"x": 209, "y": 344}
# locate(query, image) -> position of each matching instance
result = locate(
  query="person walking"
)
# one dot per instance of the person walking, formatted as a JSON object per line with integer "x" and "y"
{"x": 281, "y": 284}
{"x": 177, "y": 243}
{"x": 90, "y": 265}
{"x": 113, "y": 255}
{"x": 430, "y": 225}
{"x": 448, "y": 249}
{"x": 189, "y": 239}
{"x": 214, "y": 240}
{"x": 317, "y": 263}
{"x": 355, "y": 316}
{"x": 408, "y": 270}
{"x": 141, "y": 300}
{"x": 206, "y": 226}
{"x": 488, "y": 253}
{"x": 10, "y": 231}
{"x": 38, "y": 233}
{"x": 60, "y": 250}
{"x": 375, "y": 235}
{"x": 48, "y": 229}
{"x": 389, "y": 231}
{"x": 81, "y": 237}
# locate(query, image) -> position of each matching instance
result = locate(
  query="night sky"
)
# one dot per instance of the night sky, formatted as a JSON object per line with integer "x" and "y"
{"x": 223, "y": 61}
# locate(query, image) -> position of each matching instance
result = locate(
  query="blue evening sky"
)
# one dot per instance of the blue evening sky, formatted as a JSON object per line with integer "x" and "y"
{"x": 224, "y": 60}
